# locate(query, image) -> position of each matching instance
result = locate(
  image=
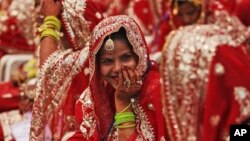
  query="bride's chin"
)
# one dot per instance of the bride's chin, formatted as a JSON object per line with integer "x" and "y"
{"x": 115, "y": 86}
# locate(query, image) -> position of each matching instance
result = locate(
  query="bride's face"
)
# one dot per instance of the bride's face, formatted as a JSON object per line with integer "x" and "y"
{"x": 111, "y": 64}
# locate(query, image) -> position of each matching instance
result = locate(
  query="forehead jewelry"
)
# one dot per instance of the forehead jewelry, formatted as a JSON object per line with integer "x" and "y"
{"x": 109, "y": 46}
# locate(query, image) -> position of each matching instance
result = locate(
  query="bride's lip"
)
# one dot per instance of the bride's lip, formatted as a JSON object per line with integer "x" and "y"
{"x": 116, "y": 78}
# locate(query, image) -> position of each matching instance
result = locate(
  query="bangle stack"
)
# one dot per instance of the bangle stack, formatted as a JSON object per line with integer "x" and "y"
{"x": 50, "y": 28}
{"x": 125, "y": 117}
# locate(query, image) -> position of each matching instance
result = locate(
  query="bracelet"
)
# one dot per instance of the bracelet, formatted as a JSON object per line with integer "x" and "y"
{"x": 57, "y": 25}
{"x": 125, "y": 108}
{"x": 51, "y": 18}
{"x": 126, "y": 126}
{"x": 51, "y": 33}
{"x": 124, "y": 117}
{"x": 44, "y": 27}
{"x": 50, "y": 22}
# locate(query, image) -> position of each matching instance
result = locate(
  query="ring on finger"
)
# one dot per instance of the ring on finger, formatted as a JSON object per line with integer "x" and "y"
{"x": 127, "y": 83}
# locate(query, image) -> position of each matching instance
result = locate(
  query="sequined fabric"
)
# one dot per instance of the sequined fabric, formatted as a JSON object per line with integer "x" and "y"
{"x": 79, "y": 21}
{"x": 53, "y": 85}
{"x": 14, "y": 34}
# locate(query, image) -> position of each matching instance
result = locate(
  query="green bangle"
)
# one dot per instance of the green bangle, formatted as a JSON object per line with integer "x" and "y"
{"x": 123, "y": 120}
{"x": 50, "y": 33}
{"x": 124, "y": 114}
{"x": 54, "y": 24}
{"x": 124, "y": 117}
{"x": 51, "y": 18}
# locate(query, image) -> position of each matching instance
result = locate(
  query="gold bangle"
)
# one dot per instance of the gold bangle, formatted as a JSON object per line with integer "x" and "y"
{"x": 46, "y": 26}
{"x": 50, "y": 33}
{"x": 126, "y": 126}
{"x": 51, "y": 18}
{"x": 53, "y": 23}
{"x": 125, "y": 108}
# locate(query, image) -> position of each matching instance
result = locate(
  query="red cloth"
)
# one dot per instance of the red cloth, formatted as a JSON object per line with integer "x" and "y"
{"x": 228, "y": 5}
{"x": 143, "y": 14}
{"x": 1, "y": 133}
{"x": 9, "y": 96}
{"x": 221, "y": 105}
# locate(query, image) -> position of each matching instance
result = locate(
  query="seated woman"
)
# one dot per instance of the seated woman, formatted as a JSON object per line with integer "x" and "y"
{"x": 123, "y": 100}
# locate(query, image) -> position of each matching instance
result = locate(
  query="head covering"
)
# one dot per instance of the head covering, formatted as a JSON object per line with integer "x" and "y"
{"x": 102, "y": 100}
{"x": 56, "y": 86}
{"x": 134, "y": 35}
{"x": 79, "y": 26}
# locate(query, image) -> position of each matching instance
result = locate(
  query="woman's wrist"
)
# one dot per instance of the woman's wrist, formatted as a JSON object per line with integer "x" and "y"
{"x": 123, "y": 105}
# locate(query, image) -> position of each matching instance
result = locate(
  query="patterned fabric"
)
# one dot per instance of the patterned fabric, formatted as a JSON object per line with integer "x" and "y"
{"x": 142, "y": 12}
{"x": 95, "y": 107}
{"x": 14, "y": 34}
{"x": 65, "y": 74}
{"x": 79, "y": 26}
{"x": 186, "y": 59}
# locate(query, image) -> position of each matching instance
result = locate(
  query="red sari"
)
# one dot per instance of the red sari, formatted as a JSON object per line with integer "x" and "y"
{"x": 228, "y": 92}
{"x": 95, "y": 107}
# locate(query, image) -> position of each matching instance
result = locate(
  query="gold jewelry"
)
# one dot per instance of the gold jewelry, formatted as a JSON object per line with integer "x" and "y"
{"x": 125, "y": 108}
{"x": 126, "y": 126}
{"x": 127, "y": 83}
{"x": 109, "y": 46}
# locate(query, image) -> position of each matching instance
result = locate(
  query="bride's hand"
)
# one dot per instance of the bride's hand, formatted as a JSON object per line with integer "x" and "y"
{"x": 130, "y": 81}
{"x": 50, "y": 8}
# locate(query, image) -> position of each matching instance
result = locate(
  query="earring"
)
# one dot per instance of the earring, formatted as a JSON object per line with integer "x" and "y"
{"x": 104, "y": 83}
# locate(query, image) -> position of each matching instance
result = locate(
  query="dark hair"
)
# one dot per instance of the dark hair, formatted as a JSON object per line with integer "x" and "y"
{"x": 181, "y": 2}
{"x": 119, "y": 35}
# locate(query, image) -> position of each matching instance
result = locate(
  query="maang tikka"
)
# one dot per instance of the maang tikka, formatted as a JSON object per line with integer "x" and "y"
{"x": 109, "y": 46}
